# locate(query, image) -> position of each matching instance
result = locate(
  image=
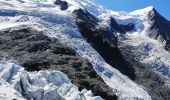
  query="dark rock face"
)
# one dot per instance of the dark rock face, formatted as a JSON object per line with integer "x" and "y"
{"x": 121, "y": 28}
{"x": 63, "y": 4}
{"x": 128, "y": 27}
{"x": 115, "y": 26}
{"x": 160, "y": 28}
{"x": 103, "y": 40}
{"x": 35, "y": 51}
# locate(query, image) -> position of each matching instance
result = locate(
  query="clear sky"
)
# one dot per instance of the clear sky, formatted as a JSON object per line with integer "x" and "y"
{"x": 162, "y": 6}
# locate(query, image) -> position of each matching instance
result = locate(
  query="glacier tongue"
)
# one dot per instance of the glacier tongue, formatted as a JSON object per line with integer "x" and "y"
{"x": 42, "y": 85}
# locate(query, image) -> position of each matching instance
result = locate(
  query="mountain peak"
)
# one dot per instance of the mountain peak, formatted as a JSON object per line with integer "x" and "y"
{"x": 148, "y": 9}
{"x": 144, "y": 11}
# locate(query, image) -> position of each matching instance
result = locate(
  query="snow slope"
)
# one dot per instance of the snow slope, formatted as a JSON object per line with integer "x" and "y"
{"x": 43, "y": 15}
{"x": 148, "y": 51}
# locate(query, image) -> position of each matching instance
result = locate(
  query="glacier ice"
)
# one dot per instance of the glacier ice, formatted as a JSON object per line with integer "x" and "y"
{"x": 42, "y": 85}
{"x": 45, "y": 16}
{"x": 61, "y": 25}
{"x": 7, "y": 92}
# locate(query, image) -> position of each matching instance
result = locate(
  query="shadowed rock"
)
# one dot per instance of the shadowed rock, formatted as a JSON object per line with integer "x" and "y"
{"x": 160, "y": 28}
{"x": 116, "y": 27}
{"x": 63, "y": 4}
{"x": 103, "y": 40}
{"x": 128, "y": 27}
{"x": 121, "y": 28}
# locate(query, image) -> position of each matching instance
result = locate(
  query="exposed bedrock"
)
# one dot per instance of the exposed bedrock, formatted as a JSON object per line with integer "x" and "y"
{"x": 35, "y": 51}
{"x": 121, "y": 28}
{"x": 63, "y": 4}
{"x": 116, "y": 27}
{"x": 103, "y": 40}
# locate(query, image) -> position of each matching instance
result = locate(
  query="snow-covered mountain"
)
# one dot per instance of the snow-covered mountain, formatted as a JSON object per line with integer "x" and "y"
{"x": 79, "y": 50}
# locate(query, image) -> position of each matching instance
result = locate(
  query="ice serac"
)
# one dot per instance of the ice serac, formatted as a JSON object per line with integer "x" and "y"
{"x": 41, "y": 85}
{"x": 7, "y": 92}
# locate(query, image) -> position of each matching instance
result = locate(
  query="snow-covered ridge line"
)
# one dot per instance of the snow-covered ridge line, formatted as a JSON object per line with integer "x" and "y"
{"x": 149, "y": 51}
{"x": 42, "y": 85}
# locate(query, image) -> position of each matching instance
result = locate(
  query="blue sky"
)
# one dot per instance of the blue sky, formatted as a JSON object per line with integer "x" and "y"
{"x": 162, "y": 6}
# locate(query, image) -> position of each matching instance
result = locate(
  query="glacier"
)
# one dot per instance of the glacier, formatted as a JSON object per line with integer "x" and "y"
{"x": 7, "y": 92}
{"x": 61, "y": 24}
{"x": 42, "y": 85}
{"x": 43, "y": 15}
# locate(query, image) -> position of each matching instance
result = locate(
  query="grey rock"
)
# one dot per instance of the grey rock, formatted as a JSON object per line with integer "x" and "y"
{"x": 103, "y": 40}
{"x": 116, "y": 27}
{"x": 63, "y": 4}
{"x": 35, "y": 51}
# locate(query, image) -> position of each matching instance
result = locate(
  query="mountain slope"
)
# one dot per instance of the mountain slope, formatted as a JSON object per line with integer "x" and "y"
{"x": 147, "y": 55}
{"x": 119, "y": 57}
{"x": 160, "y": 28}
{"x": 35, "y": 51}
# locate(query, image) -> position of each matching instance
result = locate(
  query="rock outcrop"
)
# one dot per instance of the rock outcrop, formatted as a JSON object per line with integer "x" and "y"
{"x": 103, "y": 40}
{"x": 35, "y": 51}
{"x": 63, "y": 4}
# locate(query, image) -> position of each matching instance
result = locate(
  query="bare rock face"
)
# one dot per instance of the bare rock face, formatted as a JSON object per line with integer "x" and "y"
{"x": 121, "y": 28}
{"x": 35, "y": 51}
{"x": 103, "y": 41}
{"x": 116, "y": 27}
{"x": 128, "y": 27}
{"x": 63, "y": 4}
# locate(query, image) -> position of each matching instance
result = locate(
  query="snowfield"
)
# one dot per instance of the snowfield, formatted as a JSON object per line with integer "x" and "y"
{"x": 43, "y": 15}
